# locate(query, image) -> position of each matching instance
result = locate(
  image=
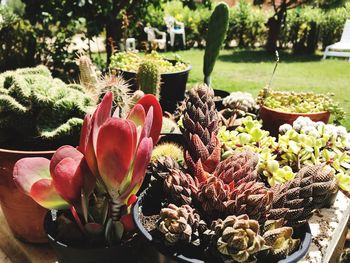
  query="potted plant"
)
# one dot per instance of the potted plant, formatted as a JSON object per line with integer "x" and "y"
{"x": 154, "y": 74}
{"x": 37, "y": 115}
{"x": 94, "y": 185}
{"x": 280, "y": 107}
{"x": 214, "y": 210}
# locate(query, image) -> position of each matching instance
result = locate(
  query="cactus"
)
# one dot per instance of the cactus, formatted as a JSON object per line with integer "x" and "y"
{"x": 88, "y": 76}
{"x": 136, "y": 96}
{"x": 121, "y": 92}
{"x": 40, "y": 110}
{"x": 169, "y": 126}
{"x": 168, "y": 149}
{"x": 148, "y": 78}
{"x": 218, "y": 25}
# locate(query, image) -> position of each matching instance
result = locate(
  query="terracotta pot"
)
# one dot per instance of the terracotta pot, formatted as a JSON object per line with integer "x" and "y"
{"x": 273, "y": 119}
{"x": 24, "y": 217}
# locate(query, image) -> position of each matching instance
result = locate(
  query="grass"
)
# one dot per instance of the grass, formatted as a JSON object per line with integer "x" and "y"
{"x": 250, "y": 70}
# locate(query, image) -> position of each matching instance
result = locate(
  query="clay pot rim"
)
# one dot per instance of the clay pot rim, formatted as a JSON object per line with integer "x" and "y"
{"x": 3, "y": 150}
{"x": 295, "y": 113}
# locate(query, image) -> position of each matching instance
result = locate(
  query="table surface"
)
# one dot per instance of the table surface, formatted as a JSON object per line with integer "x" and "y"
{"x": 327, "y": 226}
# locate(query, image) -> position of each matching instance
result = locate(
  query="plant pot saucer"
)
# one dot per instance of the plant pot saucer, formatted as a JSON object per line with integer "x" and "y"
{"x": 149, "y": 203}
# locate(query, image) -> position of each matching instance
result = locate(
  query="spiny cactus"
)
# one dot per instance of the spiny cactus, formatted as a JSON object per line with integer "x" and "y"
{"x": 179, "y": 223}
{"x": 279, "y": 239}
{"x": 238, "y": 168}
{"x": 218, "y": 25}
{"x": 37, "y": 110}
{"x": 135, "y": 97}
{"x": 88, "y": 76}
{"x": 121, "y": 92}
{"x": 253, "y": 199}
{"x": 237, "y": 239}
{"x": 179, "y": 186}
{"x": 148, "y": 78}
{"x": 168, "y": 149}
{"x": 200, "y": 128}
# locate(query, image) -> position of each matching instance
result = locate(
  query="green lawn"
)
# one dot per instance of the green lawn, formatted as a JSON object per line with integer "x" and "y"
{"x": 250, "y": 70}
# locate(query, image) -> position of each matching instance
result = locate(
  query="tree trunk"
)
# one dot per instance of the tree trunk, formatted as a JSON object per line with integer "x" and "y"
{"x": 274, "y": 24}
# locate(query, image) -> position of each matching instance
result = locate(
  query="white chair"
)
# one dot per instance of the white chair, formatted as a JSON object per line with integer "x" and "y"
{"x": 175, "y": 28}
{"x": 152, "y": 37}
{"x": 341, "y": 48}
{"x": 130, "y": 44}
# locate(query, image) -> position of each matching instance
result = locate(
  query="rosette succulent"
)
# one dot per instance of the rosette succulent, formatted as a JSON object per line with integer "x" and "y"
{"x": 179, "y": 224}
{"x": 236, "y": 239}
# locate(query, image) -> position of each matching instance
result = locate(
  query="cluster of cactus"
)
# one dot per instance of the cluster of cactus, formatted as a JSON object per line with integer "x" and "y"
{"x": 240, "y": 101}
{"x": 148, "y": 78}
{"x": 217, "y": 28}
{"x": 40, "y": 110}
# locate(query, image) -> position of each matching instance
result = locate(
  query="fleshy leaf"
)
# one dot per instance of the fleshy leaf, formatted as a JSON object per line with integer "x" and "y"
{"x": 27, "y": 171}
{"x": 68, "y": 179}
{"x": 137, "y": 115}
{"x": 148, "y": 101}
{"x": 44, "y": 193}
{"x": 85, "y": 133}
{"x": 64, "y": 152}
{"x": 116, "y": 145}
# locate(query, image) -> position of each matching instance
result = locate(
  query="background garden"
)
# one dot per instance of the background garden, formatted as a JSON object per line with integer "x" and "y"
{"x": 41, "y": 32}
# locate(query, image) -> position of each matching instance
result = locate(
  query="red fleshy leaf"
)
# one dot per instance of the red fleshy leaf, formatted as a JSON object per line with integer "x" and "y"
{"x": 128, "y": 223}
{"x": 148, "y": 101}
{"x": 64, "y": 152}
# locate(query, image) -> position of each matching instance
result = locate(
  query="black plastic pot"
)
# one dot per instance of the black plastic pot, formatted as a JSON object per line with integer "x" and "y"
{"x": 219, "y": 96}
{"x": 172, "y": 89}
{"x": 149, "y": 203}
{"x": 69, "y": 254}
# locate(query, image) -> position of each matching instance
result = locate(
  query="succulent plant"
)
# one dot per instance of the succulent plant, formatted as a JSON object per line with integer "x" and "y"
{"x": 168, "y": 149}
{"x": 237, "y": 239}
{"x": 279, "y": 239}
{"x": 238, "y": 168}
{"x": 179, "y": 223}
{"x": 241, "y": 101}
{"x": 324, "y": 183}
{"x": 217, "y": 28}
{"x": 121, "y": 92}
{"x": 253, "y": 199}
{"x": 180, "y": 187}
{"x": 200, "y": 127}
{"x": 37, "y": 110}
{"x": 170, "y": 126}
{"x": 88, "y": 76}
{"x": 111, "y": 152}
{"x": 213, "y": 196}
{"x": 130, "y": 61}
{"x": 135, "y": 97}
{"x": 163, "y": 165}
{"x": 292, "y": 202}
{"x": 148, "y": 78}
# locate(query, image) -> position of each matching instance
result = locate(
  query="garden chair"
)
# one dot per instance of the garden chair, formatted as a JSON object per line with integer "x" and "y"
{"x": 341, "y": 48}
{"x": 175, "y": 28}
{"x": 152, "y": 37}
{"x": 130, "y": 44}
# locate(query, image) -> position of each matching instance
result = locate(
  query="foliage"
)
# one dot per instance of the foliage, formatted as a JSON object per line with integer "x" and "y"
{"x": 37, "y": 109}
{"x": 100, "y": 177}
{"x": 17, "y": 40}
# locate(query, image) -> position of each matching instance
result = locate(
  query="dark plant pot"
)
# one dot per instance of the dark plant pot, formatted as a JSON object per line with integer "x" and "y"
{"x": 172, "y": 88}
{"x": 24, "y": 216}
{"x": 219, "y": 96}
{"x": 70, "y": 254}
{"x": 149, "y": 203}
{"x": 273, "y": 119}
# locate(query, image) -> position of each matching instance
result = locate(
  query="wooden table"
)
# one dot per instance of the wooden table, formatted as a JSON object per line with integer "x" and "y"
{"x": 328, "y": 228}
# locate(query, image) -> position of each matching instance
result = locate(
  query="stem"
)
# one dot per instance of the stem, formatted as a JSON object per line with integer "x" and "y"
{"x": 274, "y": 69}
{"x": 116, "y": 206}
{"x": 77, "y": 219}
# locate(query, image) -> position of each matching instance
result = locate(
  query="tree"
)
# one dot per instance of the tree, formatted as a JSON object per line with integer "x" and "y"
{"x": 280, "y": 8}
